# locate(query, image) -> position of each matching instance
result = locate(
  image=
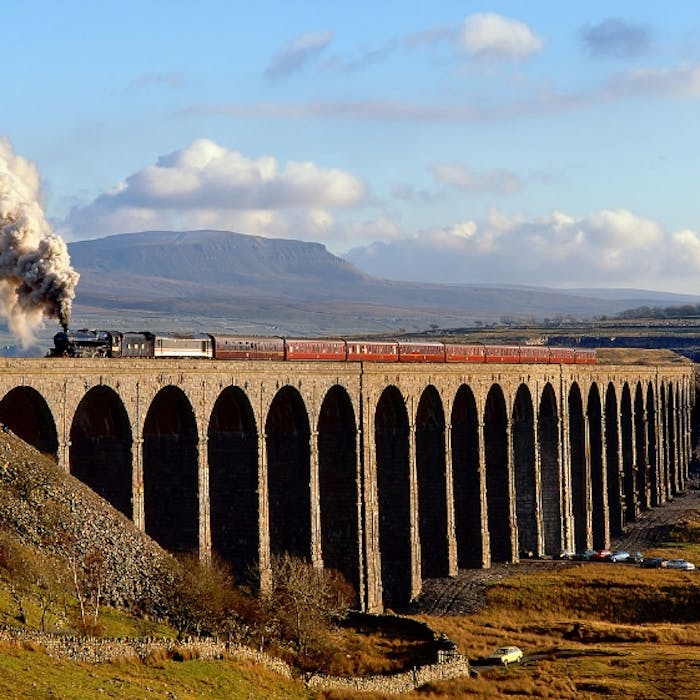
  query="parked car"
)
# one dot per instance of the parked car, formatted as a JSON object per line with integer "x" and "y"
{"x": 507, "y": 655}
{"x": 627, "y": 557}
{"x": 601, "y": 555}
{"x": 680, "y": 564}
{"x": 622, "y": 555}
{"x": 585, "y": 555}
{"x": 654, "y": 563}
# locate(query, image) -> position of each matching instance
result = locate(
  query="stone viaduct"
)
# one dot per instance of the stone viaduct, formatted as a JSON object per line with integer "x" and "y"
{"x": 388, "y": 473}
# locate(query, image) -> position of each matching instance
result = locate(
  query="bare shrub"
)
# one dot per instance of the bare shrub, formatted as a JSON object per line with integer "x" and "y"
{"x": 303, "y": 604}
{"x": 204, "y": 601}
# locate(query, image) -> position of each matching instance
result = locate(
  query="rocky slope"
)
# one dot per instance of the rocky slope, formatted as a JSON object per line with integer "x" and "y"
{"x": 52, "y": 511}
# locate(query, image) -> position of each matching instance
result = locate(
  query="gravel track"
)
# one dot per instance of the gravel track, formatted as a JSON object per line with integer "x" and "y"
{"x": 465, "y": 593}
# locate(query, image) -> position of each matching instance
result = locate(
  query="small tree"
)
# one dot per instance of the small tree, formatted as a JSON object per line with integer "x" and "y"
{"x": 306, "y": 600}
{"x": 200, "y": 598}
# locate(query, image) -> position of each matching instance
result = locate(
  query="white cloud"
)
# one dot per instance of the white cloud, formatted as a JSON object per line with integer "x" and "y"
{"x": 492, "y": 35}
{"x": 680, "y": 81}
{"x": 207, "y": 185}
{"x": 493, "y": 181}
{"x": 686, "y": 251}
{"x": 298, "y": 53}
{"x": 611, "y": 248}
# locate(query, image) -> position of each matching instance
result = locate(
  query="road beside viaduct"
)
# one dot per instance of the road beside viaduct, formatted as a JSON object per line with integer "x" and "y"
{"x": 389, "y": 473}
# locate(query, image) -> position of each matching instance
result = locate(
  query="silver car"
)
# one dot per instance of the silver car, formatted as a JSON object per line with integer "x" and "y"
{"x": 680, "y": 564}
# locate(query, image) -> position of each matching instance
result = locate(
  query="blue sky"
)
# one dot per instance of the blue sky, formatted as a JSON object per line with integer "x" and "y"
{"x": 543, "y": 143}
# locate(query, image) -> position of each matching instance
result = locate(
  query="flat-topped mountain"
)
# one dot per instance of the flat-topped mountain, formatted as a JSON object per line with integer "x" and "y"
{"x": 231, "y": 281}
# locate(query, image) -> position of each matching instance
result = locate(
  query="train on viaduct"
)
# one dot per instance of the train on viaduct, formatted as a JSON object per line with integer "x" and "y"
{"x": 390, "y": 474}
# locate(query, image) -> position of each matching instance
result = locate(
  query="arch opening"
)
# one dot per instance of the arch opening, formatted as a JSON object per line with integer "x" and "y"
{"x": 652, "y": 452}
{"x": 432, "y": 484}
{"x": 579, "y": 468}
{"x": 100, "y": 447}
{"x": 465, "y": 474}
{"x": 170, "y": 471}
{"x": 612, "y": 460}
{"x": 548, "y": 436}
{"x": 640, "y": 442}
{"x": 232, "y": 449}
{"x": 598, "y": 495}
{"x": 25, "y": 412}
{"x": 524, "y": 466}
{"x": 289, "y": 474}
{"x": 339, "y": 485}
{"x": 496, "y": 446}
{"x": 391, "y": 435}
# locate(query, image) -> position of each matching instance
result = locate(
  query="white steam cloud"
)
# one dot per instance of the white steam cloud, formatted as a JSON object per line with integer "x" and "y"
{"x": 36, "y": 277}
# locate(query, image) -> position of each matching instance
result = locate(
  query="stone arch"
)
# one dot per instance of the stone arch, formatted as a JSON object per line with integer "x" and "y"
{"x": 612, "y": 462}
{"x": 627, "y": 440}
{"x": 598, "y": 496}
{"x": 25, "y": 412}
{"x": 663, "y": 426}
{"x": 640, "y": 444}
{"x": 694, "y": 433}
{"x": 465, "y": 475}
{"x": 100, "y": 447}
{"x": 498, "y": 483}
{"x": 170, "y": 471}
{"x": 391, "y": 436}
{"x": 432, "y": 484}
{"x": 289, "y": 474}
{"x": 232, "y": 450}
{"x": 652, "y": 450}
{"x": 548, "y": 439}
{"x": 579, "y": 468}
{"x": 671, "y": 408}
{"x": 338, "y": 485}
{"x": 524, "y": 468}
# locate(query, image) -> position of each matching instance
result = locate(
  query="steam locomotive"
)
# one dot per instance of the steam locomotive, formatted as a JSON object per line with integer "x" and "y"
{"x": 102, "y": 343}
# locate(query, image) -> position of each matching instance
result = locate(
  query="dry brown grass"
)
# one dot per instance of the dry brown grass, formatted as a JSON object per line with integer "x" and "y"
{"x": 362, "y": 653}
{"x": 589, "y": 631}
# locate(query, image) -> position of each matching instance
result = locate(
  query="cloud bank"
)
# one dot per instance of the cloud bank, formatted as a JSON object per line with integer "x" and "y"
{"x": 610, "y": 248}
{"x": 208, "y": 186}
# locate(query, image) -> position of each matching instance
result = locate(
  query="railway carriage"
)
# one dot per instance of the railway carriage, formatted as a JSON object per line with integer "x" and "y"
{"x": 535, "y": 353}
{"x": 465, "y": 353}
{"x": 586, "y": 356}
{"x": 372, "y": 351}
{"x": 228, "y": 347}
{"x": 315, "y": 349}
{"x": 503, "y": 353}
{"x": 421, "y": 352}
{"x": 562, "y": 356}
{"x": 137, "y": 345}
{"x": 197, "y": 345}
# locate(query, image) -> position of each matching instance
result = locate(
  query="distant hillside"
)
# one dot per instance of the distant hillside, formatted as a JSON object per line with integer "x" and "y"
{"x": 231, "y": 281}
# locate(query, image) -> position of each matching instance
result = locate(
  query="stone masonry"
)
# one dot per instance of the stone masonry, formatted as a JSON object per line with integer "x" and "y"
{"x": 390, "y": 473}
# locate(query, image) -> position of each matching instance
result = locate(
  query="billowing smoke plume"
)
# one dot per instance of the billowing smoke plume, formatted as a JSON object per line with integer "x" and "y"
{"x": 36, "y": 278}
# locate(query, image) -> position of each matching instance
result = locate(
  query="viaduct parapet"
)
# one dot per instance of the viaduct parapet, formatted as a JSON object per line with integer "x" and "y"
{"x": 389, "y": 473}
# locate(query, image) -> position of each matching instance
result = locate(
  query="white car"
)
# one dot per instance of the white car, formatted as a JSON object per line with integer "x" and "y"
{"x": 507, "y": 655}
{"x": 680, "y": 564}
{"x": 621, "y": 555}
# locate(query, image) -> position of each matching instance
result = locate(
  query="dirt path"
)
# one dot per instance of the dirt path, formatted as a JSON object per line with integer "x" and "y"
{"x": 465, "y": 593}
